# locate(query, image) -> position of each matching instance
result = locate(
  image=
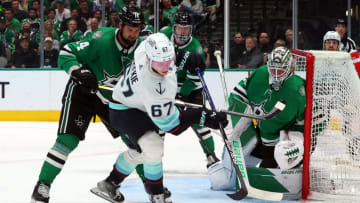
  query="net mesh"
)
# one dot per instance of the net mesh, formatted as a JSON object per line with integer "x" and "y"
{"x": 334, "y": 166}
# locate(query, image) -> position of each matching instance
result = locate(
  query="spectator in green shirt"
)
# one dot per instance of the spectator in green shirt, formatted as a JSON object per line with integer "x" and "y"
{"x": 6, "y": 35}
{"x": 72, "y": 34}
{"x": 11, "y": 22}
{"x": 169, "y": 11}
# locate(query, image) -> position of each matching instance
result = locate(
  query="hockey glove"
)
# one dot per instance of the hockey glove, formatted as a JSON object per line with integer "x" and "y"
{"x": 86, "y": 79}
{"x": 213, "y": 119}
{"x": 190, "y": 61}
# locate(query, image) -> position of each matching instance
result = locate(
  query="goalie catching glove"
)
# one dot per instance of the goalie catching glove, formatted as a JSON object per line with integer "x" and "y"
{"x": 85, "y": 78}
{"x": 189, "y": 61}
{"x": 289, "y": 150}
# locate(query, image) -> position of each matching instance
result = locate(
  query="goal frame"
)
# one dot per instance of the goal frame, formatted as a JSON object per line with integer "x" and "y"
{"x": 308, "y": 119}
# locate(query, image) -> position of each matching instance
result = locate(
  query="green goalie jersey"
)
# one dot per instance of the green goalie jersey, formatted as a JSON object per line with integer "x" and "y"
{"x": 256, "y": 91}
{"x": 186, "y": 82}
{"x": 102, "y": 54}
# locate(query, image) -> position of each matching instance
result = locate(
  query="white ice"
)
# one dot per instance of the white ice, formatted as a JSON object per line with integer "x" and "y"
{"x": 24, "y": 145}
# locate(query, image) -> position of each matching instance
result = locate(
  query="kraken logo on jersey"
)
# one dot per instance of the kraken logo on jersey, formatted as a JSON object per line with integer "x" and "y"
{"x": 160, "y": 90}
{"x": 110, "y": 80}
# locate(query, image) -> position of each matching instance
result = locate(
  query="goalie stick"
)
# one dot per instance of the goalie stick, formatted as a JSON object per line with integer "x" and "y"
{"x": 243, "y": 192}
{"x": 279, "y": 106}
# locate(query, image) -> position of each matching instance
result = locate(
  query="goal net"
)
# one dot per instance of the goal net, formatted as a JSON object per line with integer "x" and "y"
{"x": 331, "y": 166}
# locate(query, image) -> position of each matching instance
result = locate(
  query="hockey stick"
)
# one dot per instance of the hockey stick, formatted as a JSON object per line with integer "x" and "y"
{"x": 202, "y": 141}
{"x": 222, "y": 76}
{"x": 106, "y": 88}
{"x": 279, "y": 106}
{"x": 212, "y": 153}
{"x": 243, "y": 192}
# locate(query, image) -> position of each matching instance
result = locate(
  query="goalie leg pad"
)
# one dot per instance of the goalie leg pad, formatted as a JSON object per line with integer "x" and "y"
{"x": 152, "y": 146}
{"x": 221, "y": 178}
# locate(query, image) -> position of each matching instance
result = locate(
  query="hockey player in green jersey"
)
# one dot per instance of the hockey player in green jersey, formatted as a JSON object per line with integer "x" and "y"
{"x": 189, "y": 85}
{"x": 275, "y": 143}
{"x": 97, "y": 60}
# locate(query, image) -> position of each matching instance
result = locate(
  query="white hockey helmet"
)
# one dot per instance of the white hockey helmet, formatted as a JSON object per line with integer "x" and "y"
{"x": 279, "y": 65}
{"x": 332, "y": 35}
{"x": 160, "y": 52}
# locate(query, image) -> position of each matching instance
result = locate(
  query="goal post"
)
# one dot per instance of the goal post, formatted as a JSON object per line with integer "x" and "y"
{"x": 331, "y": 164}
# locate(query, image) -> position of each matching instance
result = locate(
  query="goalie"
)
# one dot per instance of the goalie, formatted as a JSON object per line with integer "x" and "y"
{"x": 269, "y": 146}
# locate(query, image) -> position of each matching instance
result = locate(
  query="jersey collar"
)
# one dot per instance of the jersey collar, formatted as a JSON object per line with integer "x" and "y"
{"x": 122, "y": 49}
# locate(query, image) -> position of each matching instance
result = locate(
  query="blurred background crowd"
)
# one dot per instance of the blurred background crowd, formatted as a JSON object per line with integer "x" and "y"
{"x": 256, "y": 26}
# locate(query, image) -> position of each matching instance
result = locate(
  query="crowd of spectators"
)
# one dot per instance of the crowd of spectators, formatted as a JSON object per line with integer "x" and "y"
{"x": 68, "y": 21}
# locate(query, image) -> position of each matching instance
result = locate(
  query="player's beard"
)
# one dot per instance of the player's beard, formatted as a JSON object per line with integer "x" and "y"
{"x": 127, "y": 42}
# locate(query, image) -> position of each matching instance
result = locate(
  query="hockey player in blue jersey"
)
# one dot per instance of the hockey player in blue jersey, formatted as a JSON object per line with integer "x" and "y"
{"x": 142, "y": 104}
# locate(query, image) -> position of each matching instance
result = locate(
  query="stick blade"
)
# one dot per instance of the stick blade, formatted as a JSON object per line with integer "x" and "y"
{"x": 239, "y": 195}
{"x": 279, "y": 107}
{"x": 264, "y": 195}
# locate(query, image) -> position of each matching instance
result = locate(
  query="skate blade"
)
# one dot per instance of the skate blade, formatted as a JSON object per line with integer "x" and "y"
{"x": 36, "y": 201}
{"x": 103, "y": 195}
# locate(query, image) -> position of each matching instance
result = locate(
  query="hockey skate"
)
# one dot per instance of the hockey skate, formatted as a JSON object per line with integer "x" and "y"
{"x": 40, "y": 193}
{"x": 160, "y": 198}
{"x": 167, "y": 193}
{"x": 108, "y": 191}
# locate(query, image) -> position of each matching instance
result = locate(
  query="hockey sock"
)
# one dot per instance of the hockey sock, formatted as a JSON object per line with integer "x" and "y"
{"x": 140, "y": 171}
{"x": 153, "y": 172}
{"x": 56, "y": 157}
{"x": 116, "y": 176}
{"x": 122, "y": 169}
{"x": 208, "y": 139}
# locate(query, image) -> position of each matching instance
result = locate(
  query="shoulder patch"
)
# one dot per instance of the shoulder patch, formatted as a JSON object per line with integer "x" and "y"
{"x": 97, "y": 34}
{"x": 302, "y": 90}
{"x": 199, "y": 50}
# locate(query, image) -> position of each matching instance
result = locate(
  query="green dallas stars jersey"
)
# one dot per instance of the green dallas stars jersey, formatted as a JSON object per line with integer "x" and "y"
{"x": 256, "y": 91}
{"x": 186, "y": 82}
{"x": 8, "y": 38}
{"x": 102, "y": 54}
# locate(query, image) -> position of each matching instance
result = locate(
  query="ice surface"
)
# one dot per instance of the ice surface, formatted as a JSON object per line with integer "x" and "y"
{"x": 24, "y": 145}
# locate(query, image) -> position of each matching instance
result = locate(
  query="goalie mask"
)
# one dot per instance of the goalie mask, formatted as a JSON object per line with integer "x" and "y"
{"x": 279, "y": 65}
{"x": 182, "y": 28}
{"x": 331, "y": 41}
{"x": 160, "y": 53}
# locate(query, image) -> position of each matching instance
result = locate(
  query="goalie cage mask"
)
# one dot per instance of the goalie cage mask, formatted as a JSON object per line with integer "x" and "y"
{"x": 279, "y": 65}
